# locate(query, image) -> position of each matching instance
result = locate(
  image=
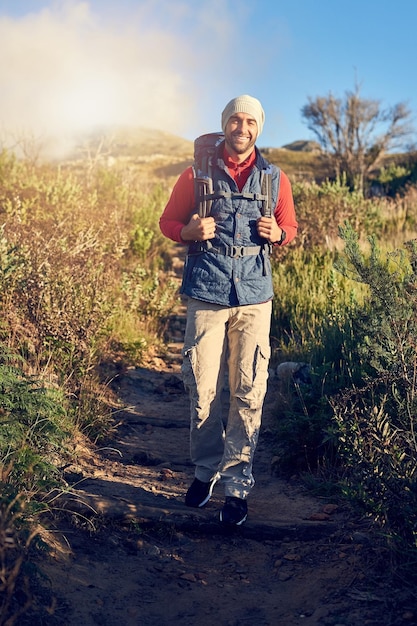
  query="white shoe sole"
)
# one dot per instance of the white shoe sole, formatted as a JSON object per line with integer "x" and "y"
{"x": 207, "y": 498}
{"x": 236, "y": 523}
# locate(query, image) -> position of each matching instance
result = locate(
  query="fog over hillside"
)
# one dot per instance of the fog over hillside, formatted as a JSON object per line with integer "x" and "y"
{"x": 63, "y": 73}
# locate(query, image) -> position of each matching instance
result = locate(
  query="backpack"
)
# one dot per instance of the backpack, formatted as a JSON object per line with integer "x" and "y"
{"x": 205, "y": 148}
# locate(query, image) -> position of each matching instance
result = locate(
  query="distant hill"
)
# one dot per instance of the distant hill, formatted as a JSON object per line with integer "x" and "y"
{"x": 134, "y": 143}
{"x": 165, "y": 155}
{"x": 303, "y": 145}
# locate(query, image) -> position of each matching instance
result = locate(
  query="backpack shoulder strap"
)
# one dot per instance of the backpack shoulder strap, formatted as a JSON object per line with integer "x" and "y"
{"x": 266, "y": 190}
{"x": 205, "y": 148}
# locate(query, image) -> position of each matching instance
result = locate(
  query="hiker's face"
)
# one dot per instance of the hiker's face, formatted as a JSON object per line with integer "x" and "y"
{"x": 240, "y": 134}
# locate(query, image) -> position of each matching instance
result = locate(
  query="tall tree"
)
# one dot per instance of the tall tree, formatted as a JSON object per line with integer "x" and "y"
{"x": 355, "y": 133}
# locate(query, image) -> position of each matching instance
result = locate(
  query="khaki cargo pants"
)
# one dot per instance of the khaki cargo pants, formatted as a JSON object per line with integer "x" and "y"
{"x": 219, "y": 338}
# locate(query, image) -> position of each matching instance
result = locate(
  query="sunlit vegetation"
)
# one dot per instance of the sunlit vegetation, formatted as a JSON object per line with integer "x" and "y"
{"x": 84, "y": 292}
{"x": 347, "y": 305}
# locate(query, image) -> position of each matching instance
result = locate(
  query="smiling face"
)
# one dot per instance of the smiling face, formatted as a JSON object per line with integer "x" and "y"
{"x": 240, "y": 134}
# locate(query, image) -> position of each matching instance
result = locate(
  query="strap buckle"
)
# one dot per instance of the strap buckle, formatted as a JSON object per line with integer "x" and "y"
{"x": 236, "y": 251}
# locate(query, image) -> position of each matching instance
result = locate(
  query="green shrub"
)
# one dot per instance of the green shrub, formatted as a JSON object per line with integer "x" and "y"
{"x": 356, "y": 419}
{"x": 376, "y": 418}
{"x": 33, "y": 427}
{"x": 312, "y": 304}
{"x": 354, "y": 426}
{"x": 322, "y": 208}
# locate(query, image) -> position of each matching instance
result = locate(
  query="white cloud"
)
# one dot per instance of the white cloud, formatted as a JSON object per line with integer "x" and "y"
{"x": 64, "y": 70}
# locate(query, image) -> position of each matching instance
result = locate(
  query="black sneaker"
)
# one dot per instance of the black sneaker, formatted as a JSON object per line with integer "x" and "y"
{"x": 199, "y": 493}
{"x": 234, "y": 511}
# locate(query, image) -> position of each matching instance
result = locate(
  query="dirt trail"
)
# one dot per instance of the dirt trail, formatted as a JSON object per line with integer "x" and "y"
{"x": 152, "y": 561}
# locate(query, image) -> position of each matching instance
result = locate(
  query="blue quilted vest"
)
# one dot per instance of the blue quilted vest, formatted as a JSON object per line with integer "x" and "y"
{"x": 233, "y": 269}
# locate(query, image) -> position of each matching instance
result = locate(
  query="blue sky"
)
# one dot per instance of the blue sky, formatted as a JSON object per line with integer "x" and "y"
{"x": 67, "y": 65}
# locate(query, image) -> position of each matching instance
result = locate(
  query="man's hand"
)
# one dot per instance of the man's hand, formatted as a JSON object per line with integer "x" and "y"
{"x": 268, "y": 229}
{"x": 199, "y": 229}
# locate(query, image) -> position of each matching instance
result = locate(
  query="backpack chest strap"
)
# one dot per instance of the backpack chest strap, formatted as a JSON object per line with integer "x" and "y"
{"x": 235, "y": 252}
{"x": 234, "y": 194}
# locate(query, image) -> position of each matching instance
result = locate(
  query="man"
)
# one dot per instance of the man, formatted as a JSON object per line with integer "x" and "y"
{"x": 227, "y": 278}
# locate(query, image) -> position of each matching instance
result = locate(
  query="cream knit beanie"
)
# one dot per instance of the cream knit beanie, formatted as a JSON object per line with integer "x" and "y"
{"x": 244, "y": 104}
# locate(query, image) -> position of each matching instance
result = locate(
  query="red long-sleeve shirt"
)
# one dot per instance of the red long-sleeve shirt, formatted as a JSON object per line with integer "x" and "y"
{"x": 182, "y": 201}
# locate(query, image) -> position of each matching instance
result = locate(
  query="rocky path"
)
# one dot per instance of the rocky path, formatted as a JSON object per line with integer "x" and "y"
{"x": 134, "y": 555}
